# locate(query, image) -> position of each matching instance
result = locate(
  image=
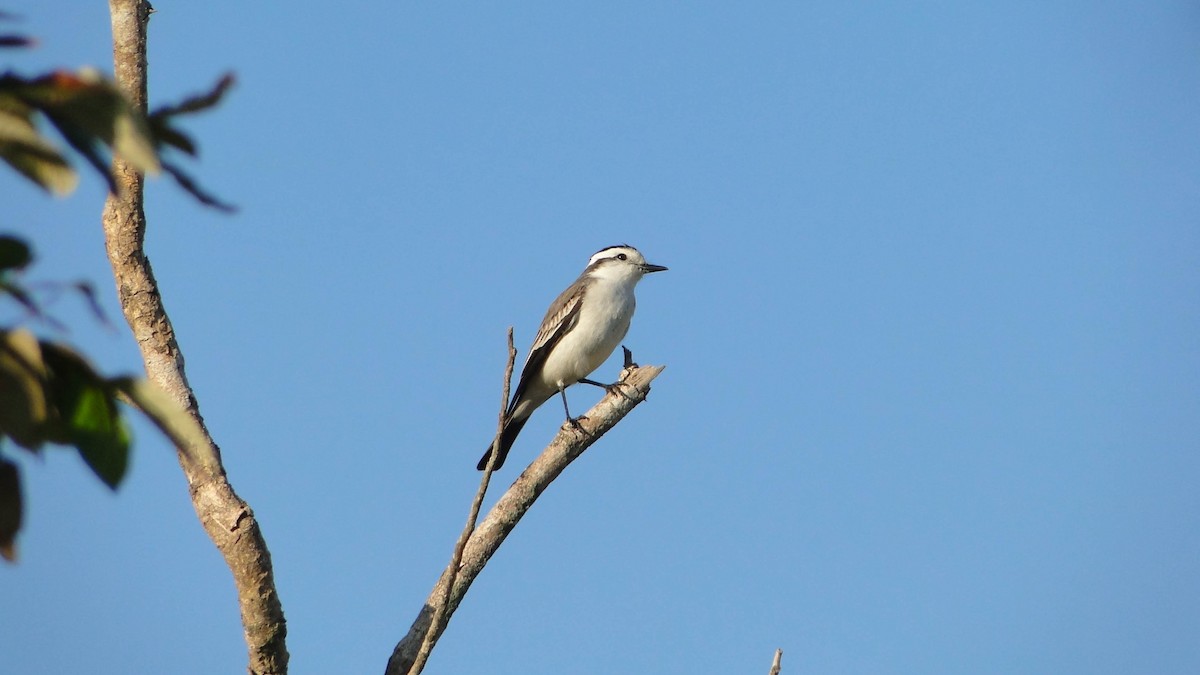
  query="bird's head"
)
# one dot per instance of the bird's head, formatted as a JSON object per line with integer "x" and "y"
{"x": 620, "y": 262}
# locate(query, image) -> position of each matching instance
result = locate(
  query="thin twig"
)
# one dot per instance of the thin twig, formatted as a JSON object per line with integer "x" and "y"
{"x": 440, "y": 615}
{"x": 775, "y": 665}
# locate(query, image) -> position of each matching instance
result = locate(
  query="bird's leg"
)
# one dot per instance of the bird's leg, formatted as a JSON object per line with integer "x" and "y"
{"x": 614, "y": 388}
{"x": 573, "y": 421}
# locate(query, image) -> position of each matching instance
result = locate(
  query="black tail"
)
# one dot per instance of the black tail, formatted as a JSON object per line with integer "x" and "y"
{"x": 506, "y": 441}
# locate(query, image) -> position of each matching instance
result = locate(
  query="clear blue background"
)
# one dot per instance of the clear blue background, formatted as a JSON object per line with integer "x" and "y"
{"x": 932, "y": 398}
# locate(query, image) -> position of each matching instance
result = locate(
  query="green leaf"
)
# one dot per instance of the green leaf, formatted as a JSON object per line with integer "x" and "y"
{"x": 10, "y": 509}
{"x": 14, "y": 253}
{"x": 88, "y": 416}
{"x": 100, "y": 434}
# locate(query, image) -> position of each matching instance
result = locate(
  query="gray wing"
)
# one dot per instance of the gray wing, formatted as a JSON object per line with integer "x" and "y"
{"x": 562, "y": 316}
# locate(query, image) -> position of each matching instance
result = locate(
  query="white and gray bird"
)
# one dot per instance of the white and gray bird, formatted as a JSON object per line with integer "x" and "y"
{"x": 581, "y": 329}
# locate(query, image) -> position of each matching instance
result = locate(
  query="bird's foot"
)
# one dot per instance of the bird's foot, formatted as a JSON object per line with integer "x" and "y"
{"x": 618, "y": 387}
{"x": 573, "y": 422}
{"x": 628, "y": 358}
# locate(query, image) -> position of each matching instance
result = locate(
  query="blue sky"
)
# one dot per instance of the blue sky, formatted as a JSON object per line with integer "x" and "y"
{"x": 932, "y": 398}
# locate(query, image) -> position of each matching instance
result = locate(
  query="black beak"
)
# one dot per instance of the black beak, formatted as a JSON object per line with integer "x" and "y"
{"x": 647, "y": 268}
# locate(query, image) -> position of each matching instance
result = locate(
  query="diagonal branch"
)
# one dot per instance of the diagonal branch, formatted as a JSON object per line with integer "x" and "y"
{"x": 440, "y": 615}
{"x": 227, "y": 519}
{"x": 566, "y": 447}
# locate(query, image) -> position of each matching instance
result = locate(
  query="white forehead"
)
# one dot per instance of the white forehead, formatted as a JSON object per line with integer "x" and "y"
{"x": 631, "y": 254}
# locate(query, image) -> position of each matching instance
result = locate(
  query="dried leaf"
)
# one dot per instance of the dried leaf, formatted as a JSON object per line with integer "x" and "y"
{"x": 10, "y": 509}
{"x": 86, "y": 108}
{"x": 196, "y": 103}
{"x": 89, "y": 295}
{"x": 30, "y": 154}
{"x": 22, "y": 297}
{"x": 185, "y": 181}
{"x": 165, "y": 135}
{"x": 23, "y": 402}
{"x": 16, "y": 41}
{"x": 14, "y": 253}
{"x": 166, "y": 414}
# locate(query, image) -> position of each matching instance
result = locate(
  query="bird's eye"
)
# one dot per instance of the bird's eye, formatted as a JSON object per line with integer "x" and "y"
{"x": 622, "y": 256}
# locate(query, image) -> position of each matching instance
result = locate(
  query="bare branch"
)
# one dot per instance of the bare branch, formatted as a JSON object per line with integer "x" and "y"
{"x": 440, "y": 616}
{"x": 228, "y": 520}
{"x": 566, "y": 447}
{"x": 775, "y": 664}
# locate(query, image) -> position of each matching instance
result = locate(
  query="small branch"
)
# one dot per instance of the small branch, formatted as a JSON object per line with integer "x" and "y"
{"x": 440, "y": 616}
{"x": 566, "y": 447}
{"x": 228, "y": 520}
{"x": 775, "y": 665}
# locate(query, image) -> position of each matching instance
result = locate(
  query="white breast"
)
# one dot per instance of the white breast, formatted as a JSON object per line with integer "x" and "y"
{"x": 603, "y": 322}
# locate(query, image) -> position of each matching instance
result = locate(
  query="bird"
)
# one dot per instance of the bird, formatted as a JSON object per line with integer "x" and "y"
{"x": 581, "y": 329}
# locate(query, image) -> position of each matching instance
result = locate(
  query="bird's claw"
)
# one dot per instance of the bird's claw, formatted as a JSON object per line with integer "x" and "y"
{"x": 619, "y": 389}
{"x": 614, "y": 388}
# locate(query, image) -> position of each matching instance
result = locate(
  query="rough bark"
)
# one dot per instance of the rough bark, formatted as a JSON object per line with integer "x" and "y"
{"x": 226, "y": 518}
{"x": 776, "y": 663}
{"x": 512, "y": 506}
